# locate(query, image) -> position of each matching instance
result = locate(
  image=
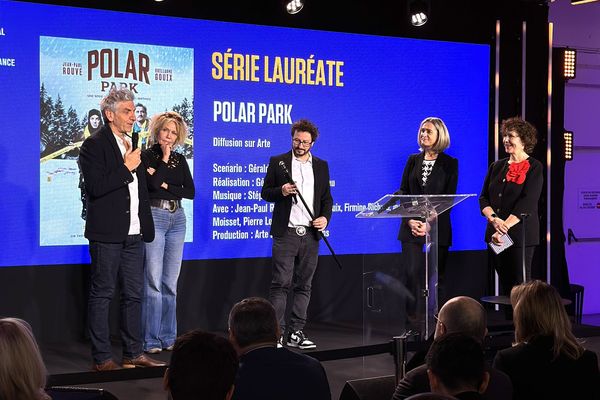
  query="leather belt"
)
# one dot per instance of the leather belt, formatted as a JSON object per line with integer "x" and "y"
{"x": 299, "y": 230}
{"x": 171, "y": 205}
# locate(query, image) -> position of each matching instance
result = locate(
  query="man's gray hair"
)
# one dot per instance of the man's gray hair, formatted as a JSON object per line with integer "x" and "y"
{"x": 112, "y": 98}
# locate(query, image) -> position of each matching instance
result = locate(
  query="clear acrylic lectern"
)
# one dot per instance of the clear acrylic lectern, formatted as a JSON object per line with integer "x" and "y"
{"x": 385, "y": 294}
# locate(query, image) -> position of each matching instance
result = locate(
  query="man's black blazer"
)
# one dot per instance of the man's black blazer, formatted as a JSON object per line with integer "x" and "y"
{"x": 416, "y": 381}
{"x": 442, "y": 180}
{"x": 106, "y": 178}
{"x": 275, "y": 179}
{"x": 269, "y": 373}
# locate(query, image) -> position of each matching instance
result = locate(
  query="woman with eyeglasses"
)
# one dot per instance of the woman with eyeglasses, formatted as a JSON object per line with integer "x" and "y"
{"x": 169, "y": 181}
{"x": 430, "y": 171}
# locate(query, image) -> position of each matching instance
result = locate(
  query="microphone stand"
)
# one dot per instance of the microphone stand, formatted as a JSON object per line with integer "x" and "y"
{"x": 523, "y": 218}
{"x": 312, "y": 217}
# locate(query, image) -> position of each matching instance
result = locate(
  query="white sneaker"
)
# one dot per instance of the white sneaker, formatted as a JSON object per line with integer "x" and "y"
{"x": 298, "y": 339}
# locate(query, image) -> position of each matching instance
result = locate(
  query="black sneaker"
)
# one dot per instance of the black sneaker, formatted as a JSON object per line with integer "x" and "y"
{"x": 280, "y": 342}
{"x": 298, "y": 339}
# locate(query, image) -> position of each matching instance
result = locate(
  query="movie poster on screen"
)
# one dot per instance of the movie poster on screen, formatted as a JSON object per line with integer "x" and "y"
{"x": 75, "y": 75}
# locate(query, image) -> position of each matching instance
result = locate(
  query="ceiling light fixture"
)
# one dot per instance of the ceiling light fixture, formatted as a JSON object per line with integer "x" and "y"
{"x": 569, "y": 63}
{"x": 418, "y": 11}
{"x": 568, "y": 145}
{"x": 293, "y": 6}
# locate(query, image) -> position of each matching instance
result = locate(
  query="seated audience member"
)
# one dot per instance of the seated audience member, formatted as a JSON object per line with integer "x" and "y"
{"x": 546, "y": 361}
{"x": 266, "y": 371}
{"x": 459, "y": 315}
{"x": 203, "y": 366}
{"x": 22, "y": 370}
{"x": 456, "y": 366}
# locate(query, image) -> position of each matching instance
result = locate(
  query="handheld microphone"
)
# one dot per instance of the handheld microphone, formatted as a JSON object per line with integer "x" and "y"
{"x": 134, "y": 140}
{"x": 288, "y": 176}
{"x": 286, "y": 173}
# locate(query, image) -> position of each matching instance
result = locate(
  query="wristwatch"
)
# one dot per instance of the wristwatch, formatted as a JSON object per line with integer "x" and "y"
{"x": 492, "y": 216}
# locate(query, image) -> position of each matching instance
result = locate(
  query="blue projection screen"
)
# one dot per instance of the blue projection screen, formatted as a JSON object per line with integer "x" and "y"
{"x": 239, "y": 87}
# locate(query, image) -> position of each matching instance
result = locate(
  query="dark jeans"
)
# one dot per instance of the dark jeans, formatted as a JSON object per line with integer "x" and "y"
{"x": 294, "y": 264}
{"x": 112, "y": 263}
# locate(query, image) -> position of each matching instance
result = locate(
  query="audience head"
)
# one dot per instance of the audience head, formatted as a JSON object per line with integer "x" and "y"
{"x": 455, "y": 364}
{"x": 203, "y": 366}
{"x": 464, "y": 315}
{"x": 538, "y": 311}
{"x": 22, "y": 370}
{"x": 252, "y": 321}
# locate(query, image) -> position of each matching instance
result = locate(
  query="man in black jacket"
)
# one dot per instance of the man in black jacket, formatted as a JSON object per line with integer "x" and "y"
{"x": 456, "y": 367}
{"x": 295, "y": 233}
{"x": 267, "y": 372}
{"x": 118, "y": 222}
{"x": 467, "y": 316}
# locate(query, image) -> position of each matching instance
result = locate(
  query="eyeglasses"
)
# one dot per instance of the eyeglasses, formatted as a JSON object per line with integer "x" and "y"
{"x": 299, "y": 142}
{"x": 437, "y": 318}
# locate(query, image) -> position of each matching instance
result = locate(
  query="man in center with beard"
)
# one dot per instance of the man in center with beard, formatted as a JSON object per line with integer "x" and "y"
{"x": 295, "y": 233}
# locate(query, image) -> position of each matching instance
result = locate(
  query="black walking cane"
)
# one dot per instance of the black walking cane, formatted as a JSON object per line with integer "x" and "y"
{"x": 291, "y": 181}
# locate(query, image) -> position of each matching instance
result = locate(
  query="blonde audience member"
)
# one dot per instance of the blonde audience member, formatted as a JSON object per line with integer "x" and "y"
{"x": 546, "y": 360}
{"x": 22, "y": 370}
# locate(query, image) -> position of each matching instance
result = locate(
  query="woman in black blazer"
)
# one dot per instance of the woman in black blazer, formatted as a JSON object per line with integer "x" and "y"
{"x": 510, "y": 193}
{"x": 546, "y": 361}
{"x": 431, "y": 171}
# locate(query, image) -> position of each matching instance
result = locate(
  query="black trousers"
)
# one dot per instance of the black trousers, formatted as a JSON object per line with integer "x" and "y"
{"x": 509, "y": 266}
{"x": 413, "y": 262}
{"x": 294, "y": 263}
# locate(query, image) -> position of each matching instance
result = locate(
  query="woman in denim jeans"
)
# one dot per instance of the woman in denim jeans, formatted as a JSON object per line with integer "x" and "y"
{"x": 169, "y": 180}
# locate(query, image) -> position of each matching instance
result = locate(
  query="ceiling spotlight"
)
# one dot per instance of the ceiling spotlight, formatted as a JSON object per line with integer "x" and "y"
{"x": 418, "y": 11}
{"x": 418, "y": 19}
{"x": 293, "y": 6}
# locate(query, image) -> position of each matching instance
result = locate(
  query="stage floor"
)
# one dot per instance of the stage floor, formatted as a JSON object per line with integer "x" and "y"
{"x": 74, "y": 357}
